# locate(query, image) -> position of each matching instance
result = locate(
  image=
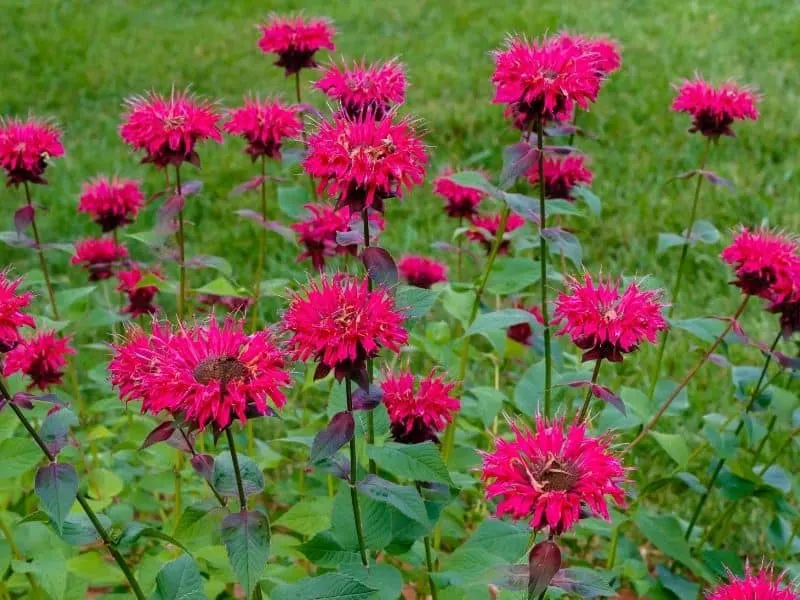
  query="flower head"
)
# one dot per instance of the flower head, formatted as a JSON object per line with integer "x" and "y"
{"x": 42, "y": 358}
{"x": 365, "y": 89}
{"x": 484, "y": 230}
{"x": 606, "y": 322}
{"x": 762, "y": 585}
{"x": 141, "y": 298}
{"x": 460, "y": 201}
{"x": 205, "y": 373}
{"x": 12, "y": 317}
{"x": 523, "y": 332}
{"x": 787, "y": 304}
{"x": 561, "y": 175}
{"x": 418, "y": 408}
{"x": 295, "y": 40}
{"x": 265, "y": 125}
{"x": 765, "y": 262}
{"x": 603, "y": 51}
{"x": 340, "y": 323}
{"x": 111, "y": 202}
{"x": 714, "y": 110}
{"x": 26, "y": 148}
{"x": 229, "y": 303}
{"x": 362, "y": 162}
{"x": 169, "y": 129}
{"x": 553, "y": 473}
{"x": 99, "y": 256}
{"x": 421, "y": 271}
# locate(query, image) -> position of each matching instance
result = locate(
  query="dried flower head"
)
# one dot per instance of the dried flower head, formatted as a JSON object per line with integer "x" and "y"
{"x": 26, "y": 148}
{"x": 41, "y": 357}
{"x": 111, "y": 202}
{"x": 714, "y": 110}
{"x": 295, "y": 40}
{"x": 365, "y": 89}
{"x": 99, "y": 256}
{"x": 265, "y": 125}
{"x": 418, "y": 408}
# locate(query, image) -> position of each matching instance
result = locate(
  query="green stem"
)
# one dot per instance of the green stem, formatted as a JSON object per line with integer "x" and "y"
{"x": 588, "y": 400}
{"x": 362, "y": 547}
{"x": 262, "y": 243}
{"x": 548, "y": 366}
{"x": 428, "y": 555}
{"x": 460, "y": 251}
{"x": 612, "y": 549}
{"x": 42, "y": 262}
{"x": 370, "y": 364}
{"x": 181, "y": 248}
{"x": 236, "y": 472}
{"x": 219, "y": 498}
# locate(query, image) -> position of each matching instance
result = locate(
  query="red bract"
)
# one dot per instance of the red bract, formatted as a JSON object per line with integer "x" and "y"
{"x": 340, "y": 323}
{"x": 229, "y": 303}
{"x": 460, "y": 201}
{"x": 365, "y": 89}
{"x": 12, "y": 316}
{"x": 522, "y": 332}
{"x": 421, "y": 271}
{"x": 361, "y": 163}
{"x": 140, "y": 298}
{"x": 484, "y": 230}
{"x": 418, "y": 409}
{"x": 169, "y": 129}
{"x": 543, "y": 80}
{"x": 765, "y": 262}
{"x": 204, "y": 373}
{"x": 26, "y": 148}
{"x": 561, "y": 175}
{"x": 42, "y": 358}
{"x": 605, "y": 322}
{"x": 714, "y": 110}
{"x": 99, "y": 256}
{"x": 551, "y": 474}
{"x": 111, "y": 202}
{"x": 295, "y": 40}
{"x": 762, "y": 585}
{"x": 265, "y": 124}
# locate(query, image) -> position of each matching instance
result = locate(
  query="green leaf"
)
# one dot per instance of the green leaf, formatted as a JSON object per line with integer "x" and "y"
{"x": 415, "y": 302}
{"x": 331, "y": 586}
{"x": 79, "y": 531}
{"x": 323, "y": 550}
{"x": 510, "y": 275}
{"x": 179, "y": 579}
{"x": 308, "y": 516}
{"x": 563, "y": 242}
{"x": 219, "y": 287}
{"x": 224, "y": 477}
{"x": 198, "y": 523}
{"x": 418, "y": 462}
{"x": 475, "y": 180}
{"x": 706, "y": 329}
{"x": 18, "y": 456}
{"x": 56, "y": 427}
{"x": 665, "y": 533}
{"x": 458, "y": 304}
{"x": 499, "y": 320}
{"x": 66, "y": 298}
{"x": 669, "y": 240}
{"x": 375, "y": 516}
{"x": 57, "y": 485}
{"x": 675, "y": 445}
{"x": 589, "y": 197}
{"x": 384, "y": 578}
{"x": 489, "y": 402}
{"x": 291, "y": 201}
{"x": 404, "y": 499}
{"x": 246, "y": 538}
{"x": 134, "y": 531}
{"x": 530, "y": 389}
{"x": 682, "y": 588}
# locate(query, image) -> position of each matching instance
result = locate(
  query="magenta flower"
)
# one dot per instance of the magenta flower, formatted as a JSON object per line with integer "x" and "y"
{"x": 523, "y": 332}
{"x": 265, "y": 125}
{"x": 141, "y": 298}
{"x": 99, "y": 256}
{"x": 295, "y": 40}
{"x": 762, "y": 585}
{"x": 111, "y": 202}
{"x": 484, "y": 230}
{"x": 765, "y": 263}
{"x": 421, "y": 271}
{"x": 460, "y": 201}
{"x": 26, "y": 148}
{"x": 787, "y": 304}
{"x": 12, "y": 317}
{"x": 418, "y": 408}
{"x": 561, "y": 175}
{"x": 714, "y": 110}
{"x": 604, "y": 52}
{"x": 365, "y": 89}
{"x": 41, "y": 358}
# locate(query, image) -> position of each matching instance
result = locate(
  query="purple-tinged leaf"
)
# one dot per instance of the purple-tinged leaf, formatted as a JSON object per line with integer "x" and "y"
{"x": 562, "y": 242}
{"x": 719, "y": 360}
{"x": 251, "y": 184}
{"x": 328, "y": 441}
{"x": 191, "y": 187}
{"x": 517, "y": 160}
{"x": 252, "y": 411}
{"x": 246, "y": 537}
{"x": 352, "y": 237}
{"x": 182, "y": 441}
{"x": 23, "y": 399}
{"x": 161, "y": 433}
{"x": 380, "y": 266}
{"x": 715, "y": 179}
{"x": 559, "y": 150}
{"x": 367, "y": 400}
{"x": 583, "y": 583}
{"x": 475, "y": 180}
{"x": 562, "y": 129}
{"x": 274, "y": 226}
{"x": 165, "y": 217}
{"x": 525, "y": 206}
{"x": 687, "y": 174}
{"x": 544, "y": 561}
{"x": 56, "y": 427}
{"x": 602, "y": 392}
{"x": 56, "y": 485}
{"x": 23, "y": 217}
{"x": 16, "y": 240}
{"x": 337, "y": 465}
{"x": 203, "y": 464}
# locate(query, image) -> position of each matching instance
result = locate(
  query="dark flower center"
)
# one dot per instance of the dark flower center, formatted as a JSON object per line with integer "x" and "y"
{"x": 220, "y": 368}
{"x": 554, "y": 475}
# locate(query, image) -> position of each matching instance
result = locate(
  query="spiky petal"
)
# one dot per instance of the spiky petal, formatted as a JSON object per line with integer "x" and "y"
{"x": 265, "y": 125}
{"x": 418, "y": 408}
{"x": 111, "y": 202}
{"x": 765, "y": 262}
{"x": 26, "y": 148}
{"x": 12, "y": 315}
{"x": 421, "y": 271}
{"x": 460, "y": 201}
{"x": 364, "y": 89}
{"x": 99, "y": 256}
{"x": 756, "y": 585}
{"x": 42, "y": 358}
{"x": 295, "y": 40}
{"x": 141, "y": 298}
{"x": 484, "y": 230}
{"x": 561, "y": 175}
{"x": 714, "y": 110}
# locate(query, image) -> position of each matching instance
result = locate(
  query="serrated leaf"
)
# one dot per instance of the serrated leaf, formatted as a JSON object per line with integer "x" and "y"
{"x": 309, "y": 516}
{"x": 323, "y": 550}
{"x": 331, "y": 586}
{"x": 510, "y": 275}
{"x": 517, "y": 160}
{"x": 18, "y": 456}
{"x": 246, "y": 538}
{"x": 404, "y": 499}
{"x": 673, "y": 444}
{"x": 499, "y": 320}
{"x": 179, "y": 579}
{"x": 415, "y": 302}
{"x": 224, "y": 477}
{"x": 417, "y": 462}
{"x": 79, "y": 531}
{"x": 56, "y": 485}
{"x": 336, "y": 434}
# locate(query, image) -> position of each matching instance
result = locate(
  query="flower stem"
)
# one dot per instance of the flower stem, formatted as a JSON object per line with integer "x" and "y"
{"x": 42, "y": 262}
{"x": 353, "y": 480}
{"x": 181, "y": 249}
{"x": 262, "y": 247}
{"x": 588, "y": 400}
{"x": 303, "y": 129}
{"x": 684, "y": 382}
{"x": 676, "y": 287}
{"x": 428, "y": 555}
{"x": 188, "y": 441}
{"x": 460, "y": 251}
{"x": 370, "y": 364}
{"x": 612, "y": 549}
{"x": 236, "y": 472}
{"x": 548, "y": 367}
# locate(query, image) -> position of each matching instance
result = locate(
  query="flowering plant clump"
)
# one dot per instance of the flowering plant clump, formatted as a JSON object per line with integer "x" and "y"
{"x": 418, "y": 408}
{"x": 111, "y": 202}
{"x": 365, "y": 90}
{"x": 714, "y": 110}
{"x": 265, "y": 125}
{"x": 41, "y": 358}
{"x": 99, "y": 256}
{"x": 26, "y": 148}
{"x": 295, "y": 40}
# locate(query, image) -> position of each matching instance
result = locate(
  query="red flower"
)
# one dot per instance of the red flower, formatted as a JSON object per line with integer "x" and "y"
{"x": 361, "y": 163}
{"x": 561, "y": 175}
{"x": 762, "y": 585}
{"x": 604, "y": 52}
{"x": 416, "y": 415}
{"x": 552, "y": 474}
{"x": 460, "y": 201}
{"x": 318, "y": 233}
{"x": 205, "y": 373}
{"x": 111, "y": 202}
{"x": 140, "y": 298}
{"x": 11, "y": 315}
{"x": 421, "y": 271}
{"x": 168, "y": 129}
{"x": 265, "y": 124}
{"x": 605, "y": 322}
{"x": 295, "y": 40}
{"x": 484, "y": 230}
{"x": 787, "y": 305}
{"x": 229, "y": 303}
{"x": 42, "y": 358}
{"x": 365, "y": 89}
{"x": 99, "y": 256}
{"x": 26, "y": 148}
{"x": 340, "y": 323}
{"x": 765, "y": 262}
{"x": 714, "y": 110}
{"x": 522, "y": 332}
{"x": 544, "y": 80}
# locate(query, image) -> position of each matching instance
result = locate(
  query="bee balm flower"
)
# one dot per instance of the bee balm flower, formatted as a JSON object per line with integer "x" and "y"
{"x": 26, "y": 148}
{"x": 11, "y": 316}
{"x": 418, "y": 409}
{"x": 765, "y": 262}
{"x": 140, "y": 297}
{"x": 99, "y": 256}
{"x": 42, "y": 358}
{"x": 421, "y": 271}
{"x": 111, "y": 202}
{"x": 295, "y": 40}
{"x": 365, "y": 89}
{"x": 714, "y": 110}
{"x": 265, "y": 125}
{"x": 561, "y": 175}
{"x": 460, "y": 201}
{"x": 762, "y": 585}
{"x": 484, "y": 230}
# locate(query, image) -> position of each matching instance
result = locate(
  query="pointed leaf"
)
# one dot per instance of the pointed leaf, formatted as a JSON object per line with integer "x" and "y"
{"x": 246, "y": 537}
{"x": 475, "y": 180}
{"x": 338, "y": 432}
{"x": 57, "y": 485}
{"x": 331, "y": 586}
{"x": 179, "y": 579}
{"x": 161, "y": 433}
{"x": 56, "y": 427}
{"x": 417, "y": 462}
{"x": 23, "y": 217}
{"x": 380, "y": 266}
{"x": 517, "y": 160}
{"x": 404, "y": 499}
{"x": 224, "y": 477}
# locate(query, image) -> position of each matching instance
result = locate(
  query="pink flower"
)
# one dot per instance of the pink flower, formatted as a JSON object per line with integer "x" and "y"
{"x": 544, "y": 80}
{"x": 111, "y": 202}
{"x": 364, "y": 89}
{"x": 26, "y": 148}
{"x": 418, "y": 409}
{"x": 787, "y": 304}
{"x": 229, "y": 303}
{"x": 340, "y": 323}
{"x": 765, "y": 262}
{"x": 42, "y": 358}
{"x": 318, "y": 233}
{"x": 12, "y": 316}
{"x": 460, "y": 201}
{"x": 361, "y": 163}
{"x": 605, "y": 322}
{"x": 421, "y": 271}
{"x": 762, "y": 585}
{"x": 523, "y": 332}
{"x": 169, "y": 129}
{"x": 714, "y": 110}
{"x": 140, "y": 298}
{"x": 604, "y": 52}
{"x": 205, "y": 373}
{"x": 99, "y": 256}
{"x": 265, "y": 124}
{"x": 561, "y": 175}
{"x": 295, "y": 40}
{"x": 550, "y": 475}
{"x": 484, "y": 230}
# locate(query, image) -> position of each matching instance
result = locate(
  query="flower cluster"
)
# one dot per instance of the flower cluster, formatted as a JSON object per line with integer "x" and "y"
{"x": 42, "y": 358}
{"x": 295, "y": 40}
{"x": 561, "y": 175}
{"x": 12, "y": 317}
{"x": 365, "y": 90}
{"x": 265, "y": 125}
{"x": 111, "y": 202}
{"x": 714, "y": 110}
{"x": 421, "y": 271}
{"x": 99, "y": 256}
{"x": 141, "y": 298}
{"x": 484, "y": 230}
{"x": 26, "y": 148}
{"x": 418, "y": 408}
{"x": 460, "y": 201}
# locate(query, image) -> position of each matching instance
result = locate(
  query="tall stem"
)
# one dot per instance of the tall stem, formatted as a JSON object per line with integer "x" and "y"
{"x": 548, "y": 367}
{"x": 676, "y": 287}
{"x": 262, "y": 245}
{"x": 42, "y": 262}
{"x": 652, "y": 422}
{"x": 303, "y": 130}
{"x": 236, "y": 472}
{"x": 428, "y": 555}
{"x": 362, "y": 547}
{"x": 460, "y": 251}
{"x": 370, "y": 364}
{"x": 588, "y": 400}
{"x": 181, "y": 248}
